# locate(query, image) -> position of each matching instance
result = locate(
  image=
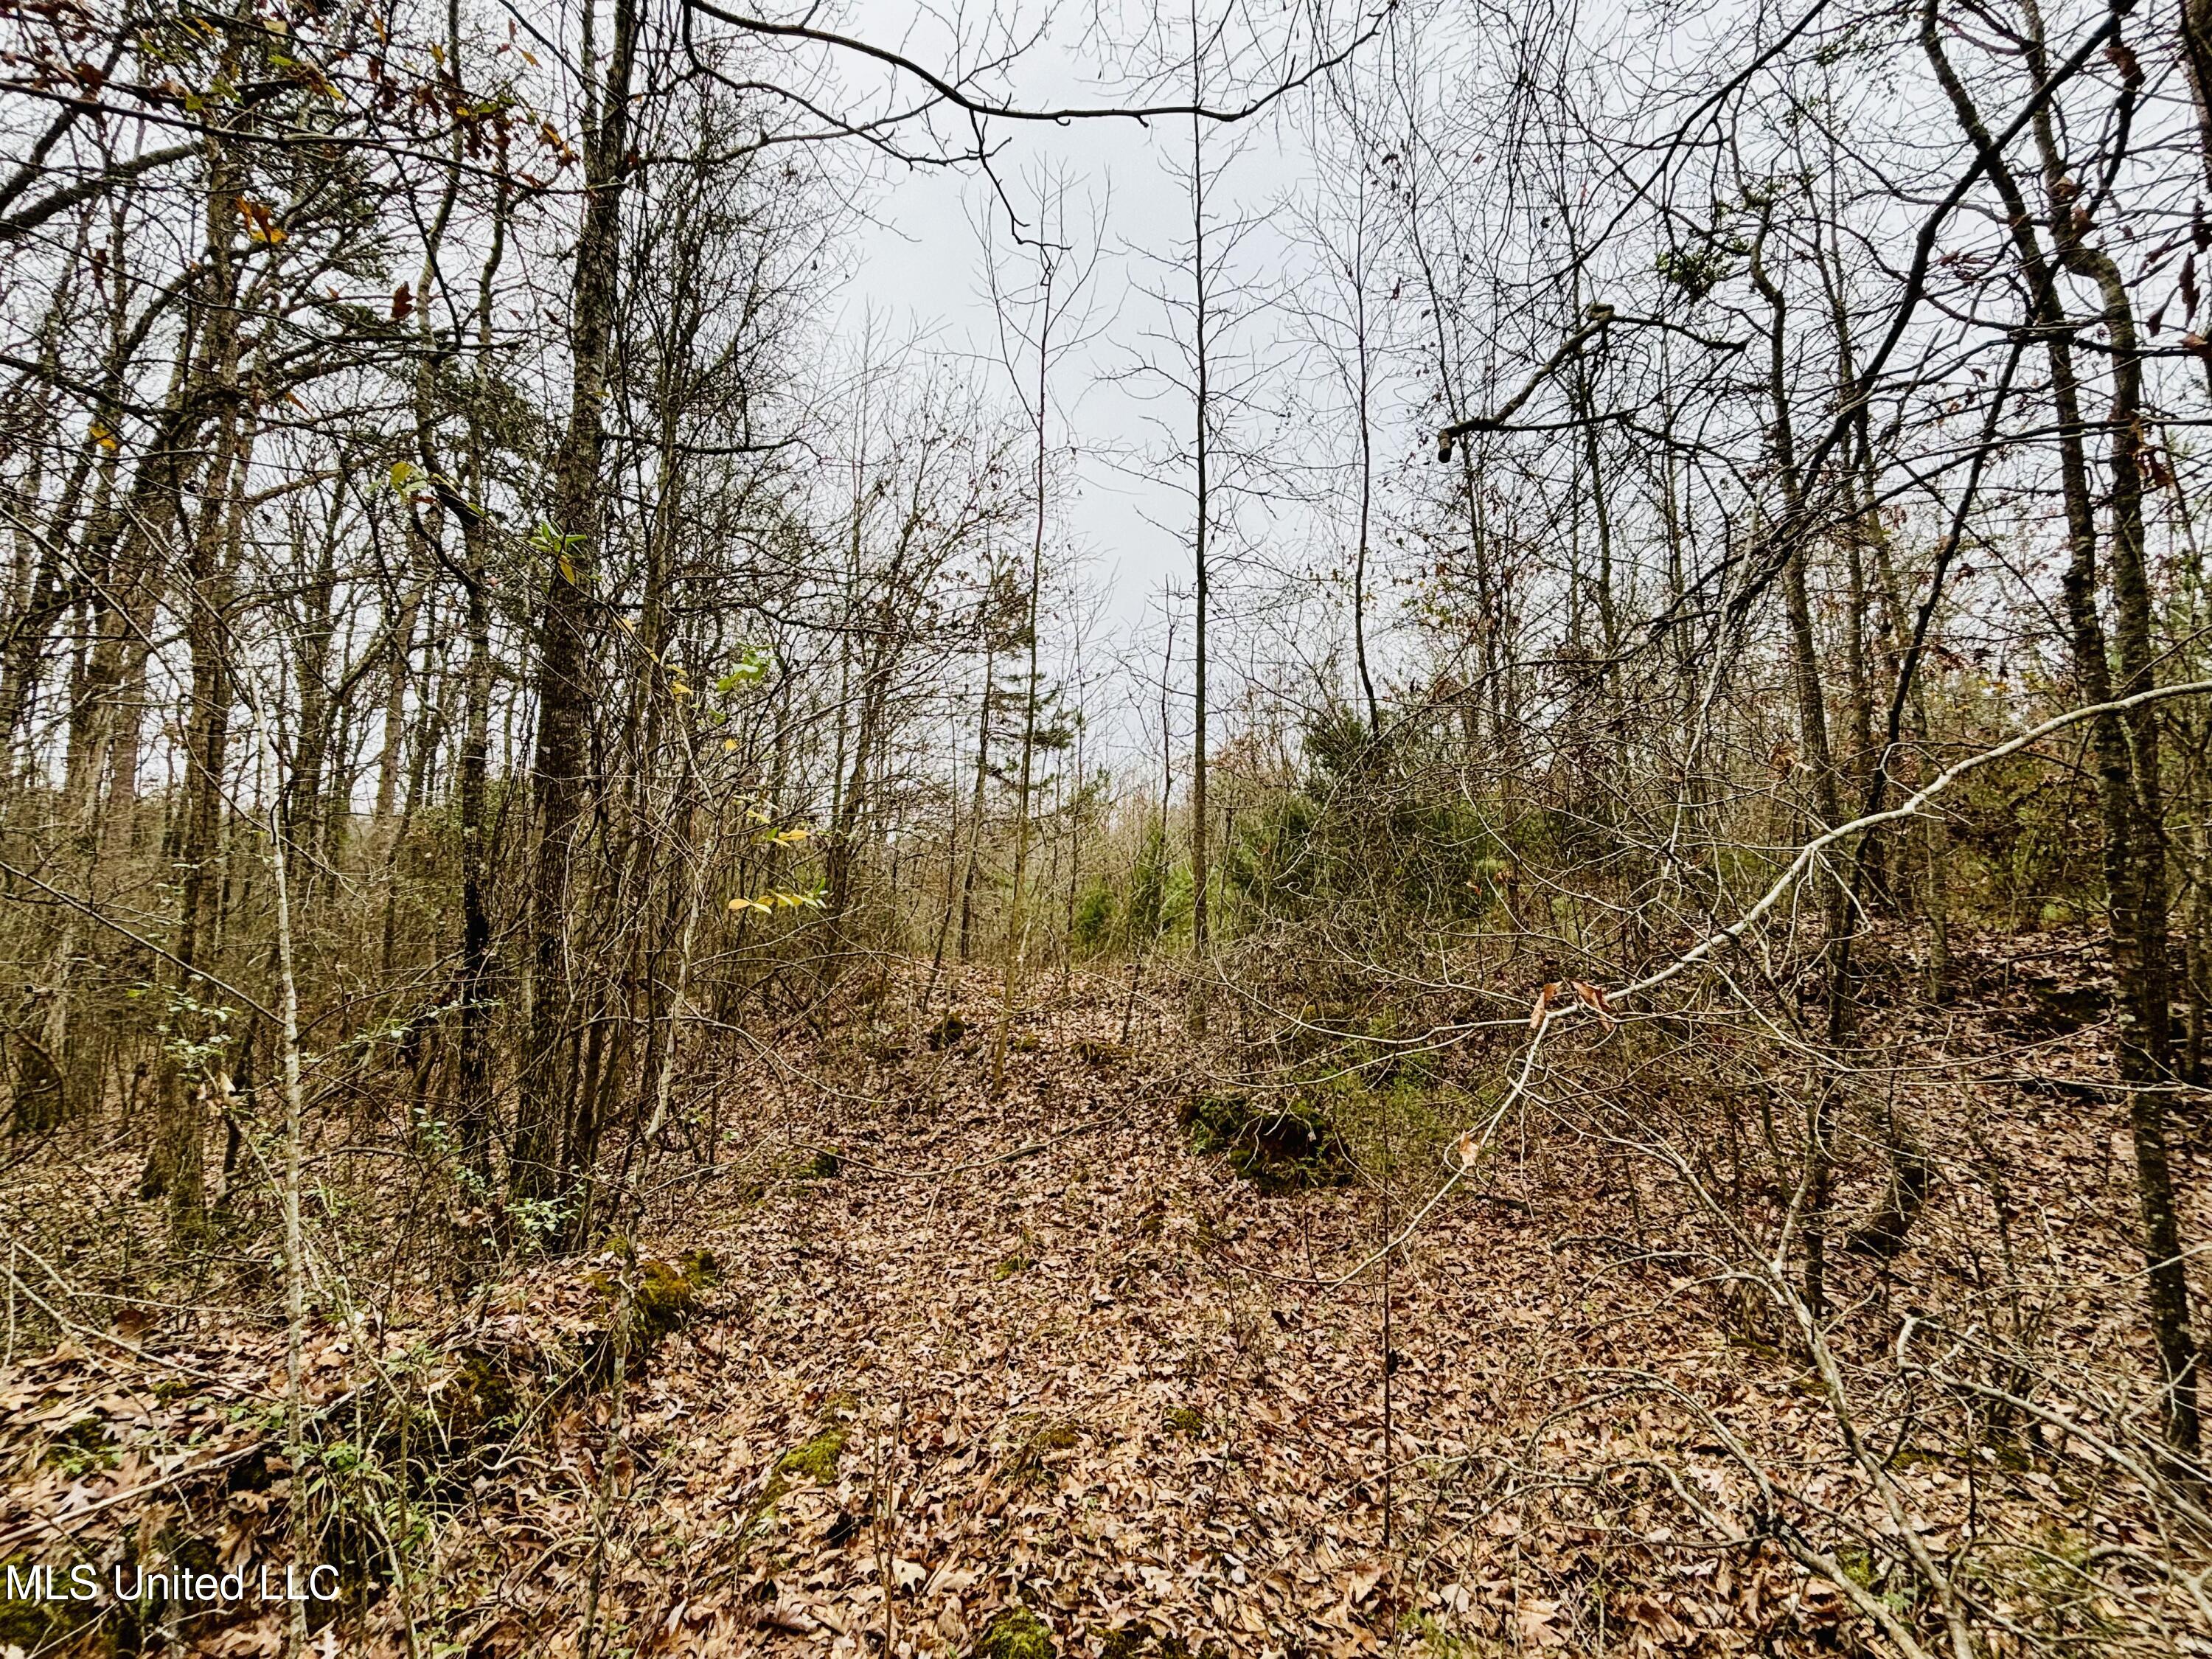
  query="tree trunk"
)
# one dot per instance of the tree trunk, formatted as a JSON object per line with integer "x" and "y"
{"x": 1198, "y": 897}
{"x": 2135, "y": 877}
{"x": 558, "y": 781}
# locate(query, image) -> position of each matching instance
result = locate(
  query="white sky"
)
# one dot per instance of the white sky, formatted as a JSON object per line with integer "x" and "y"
{"x": 923, "y": 268}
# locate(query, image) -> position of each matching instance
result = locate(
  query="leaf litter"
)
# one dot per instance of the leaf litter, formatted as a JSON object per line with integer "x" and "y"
{"x": 1028, "y": 1376}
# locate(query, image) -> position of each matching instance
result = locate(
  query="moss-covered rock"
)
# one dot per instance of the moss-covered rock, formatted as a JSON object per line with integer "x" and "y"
{"x": 1034, "y": 1447}
{"x": 1016, "y": 1633}
{"x": 481, "y": 1395}
{"x": 1278, "y": 1140}
{"x": 626, "y": 1311}
{"x": 668, "y": 1293}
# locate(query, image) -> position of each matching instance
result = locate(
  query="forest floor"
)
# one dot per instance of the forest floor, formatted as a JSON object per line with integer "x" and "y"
{"x": 972, "y": 1373}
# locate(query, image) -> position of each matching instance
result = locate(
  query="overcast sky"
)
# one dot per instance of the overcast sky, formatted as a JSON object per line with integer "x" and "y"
{"x": 922, "y": 268}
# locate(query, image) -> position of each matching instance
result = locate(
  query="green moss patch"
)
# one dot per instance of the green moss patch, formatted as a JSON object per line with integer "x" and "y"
{"x": 1016, "y": 1633}
{"x": 817, "y": 1458}
{"x": 34, "y": 1626}
{"x": 668, "y": 1293}
{"x": 1280, "y": 1141}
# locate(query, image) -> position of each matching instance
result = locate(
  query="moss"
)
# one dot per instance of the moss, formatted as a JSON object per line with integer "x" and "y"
{"x": 1016, "y": 1633}
{"x": 633, "y": 1309}
{"x": 668, "y": 1293}
{"x": 1441, "y": 1643}
{"x": 1860, "y": 1567}
{"x": 480, "y": 1397}
{"x": 32, "y": 1626}
{"x": 2043, "y": 1575}
{"x": 82, "y": 1447}
{"x": 817, "y": 1458}
{"x": 251, "y": 1473}
{"x": 187, "y": 1550}
{"x": 1278, "y": 1142}
{"x": 24, "y": 1625}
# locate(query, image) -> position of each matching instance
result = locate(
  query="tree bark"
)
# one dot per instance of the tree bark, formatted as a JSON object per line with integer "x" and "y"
{"x": 2128, "y": 787}
{"x": 559, "y": 781}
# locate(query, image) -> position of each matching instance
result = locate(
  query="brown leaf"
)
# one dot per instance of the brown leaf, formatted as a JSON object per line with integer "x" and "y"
{"x": 1533, "y": 1618}
{"x": 1593, "y": 999}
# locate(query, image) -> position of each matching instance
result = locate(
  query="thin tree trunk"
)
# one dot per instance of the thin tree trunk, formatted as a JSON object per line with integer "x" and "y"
{"x": 1199, "y": 872}
{"x": 976, "y": 811}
